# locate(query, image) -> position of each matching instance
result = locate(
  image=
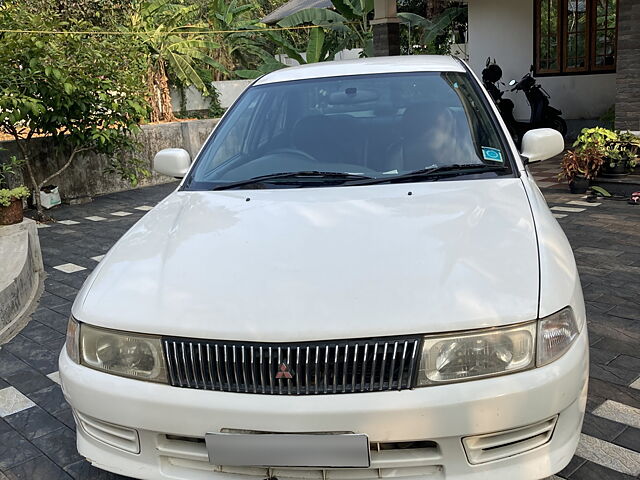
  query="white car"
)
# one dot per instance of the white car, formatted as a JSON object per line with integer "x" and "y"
{"x": 357, "y": 278}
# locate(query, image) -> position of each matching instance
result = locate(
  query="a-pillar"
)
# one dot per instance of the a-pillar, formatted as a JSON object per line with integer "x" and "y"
{"x": 386, "y": 28}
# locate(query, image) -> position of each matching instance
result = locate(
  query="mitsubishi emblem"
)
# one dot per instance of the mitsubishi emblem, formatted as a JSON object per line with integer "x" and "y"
{"x": 284, "y": 371}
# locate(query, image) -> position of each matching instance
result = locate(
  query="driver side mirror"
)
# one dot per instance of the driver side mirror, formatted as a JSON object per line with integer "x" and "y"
{"x": 541, "y": 143}
{"x": 173, "y": 162}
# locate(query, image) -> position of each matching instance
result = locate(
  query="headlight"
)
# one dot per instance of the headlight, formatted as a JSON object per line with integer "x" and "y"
{"x": 556, "y": 333}
{"x": 452, "y": 358}
{"x": 119, "y": 353}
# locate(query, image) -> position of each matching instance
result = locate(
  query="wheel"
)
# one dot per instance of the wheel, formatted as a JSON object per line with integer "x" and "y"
{"x": 558, "y": 123}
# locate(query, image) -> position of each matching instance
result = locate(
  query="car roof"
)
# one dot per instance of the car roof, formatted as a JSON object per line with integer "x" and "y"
{"x": 364, "y": 66}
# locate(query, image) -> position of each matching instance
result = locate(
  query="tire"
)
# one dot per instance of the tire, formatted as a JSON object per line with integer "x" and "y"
{"x": 558, "y": 123}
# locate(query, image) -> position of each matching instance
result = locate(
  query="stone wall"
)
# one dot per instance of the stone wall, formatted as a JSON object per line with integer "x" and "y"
{"x": 628, "y": 66}
{"x": 86, "y": 177}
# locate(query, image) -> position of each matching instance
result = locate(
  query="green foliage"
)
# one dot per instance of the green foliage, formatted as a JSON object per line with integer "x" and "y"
{"x": 433, "y": 35}
{"x": 167, "y": 27}
{"x": 617, "y": 148}
{"x": 9, "y": 168}
{"x": 9, "y": 194}
{"x": 241, "y": 48}
{"x": 347, "y": 27}
{"x": 85, "y": 92}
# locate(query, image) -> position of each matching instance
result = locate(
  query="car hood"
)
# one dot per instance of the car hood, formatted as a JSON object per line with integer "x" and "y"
{"x": 322, "y": 263}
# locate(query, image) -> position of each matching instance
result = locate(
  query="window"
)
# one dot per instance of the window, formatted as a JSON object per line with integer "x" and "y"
{"x": 575, "y": 36}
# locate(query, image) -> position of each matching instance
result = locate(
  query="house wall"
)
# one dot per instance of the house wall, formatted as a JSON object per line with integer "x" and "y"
{"x": 628, "y": 78}
{"x": 503, "y": 29}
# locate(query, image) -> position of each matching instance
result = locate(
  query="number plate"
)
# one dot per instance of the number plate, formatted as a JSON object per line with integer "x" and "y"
{"x": 288, "y": 450}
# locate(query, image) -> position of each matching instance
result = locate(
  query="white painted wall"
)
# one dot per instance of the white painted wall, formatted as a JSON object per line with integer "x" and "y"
{"x": 504, "y": 29}
{"x": 228, "y": 91}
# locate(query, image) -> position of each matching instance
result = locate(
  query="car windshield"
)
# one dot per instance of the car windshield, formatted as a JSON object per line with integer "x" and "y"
{"x": 362, "y": 127}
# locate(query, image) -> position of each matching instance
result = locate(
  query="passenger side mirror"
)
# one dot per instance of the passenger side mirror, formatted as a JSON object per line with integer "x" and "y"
{"x": 541, "y": 143}
{"x": 173, "y": 162}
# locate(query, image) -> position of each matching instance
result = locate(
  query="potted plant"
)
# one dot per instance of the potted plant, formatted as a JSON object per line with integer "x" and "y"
{"x": 11, "y": 198}
{"x": 580, "y": 166}
{"x": 619, "y": 151}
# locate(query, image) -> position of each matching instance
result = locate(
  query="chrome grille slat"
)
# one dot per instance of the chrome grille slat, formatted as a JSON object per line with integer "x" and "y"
{"x": 331, "y": 367}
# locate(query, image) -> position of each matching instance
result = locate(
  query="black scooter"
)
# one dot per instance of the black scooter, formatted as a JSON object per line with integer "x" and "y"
{"x": 542, "y": 113}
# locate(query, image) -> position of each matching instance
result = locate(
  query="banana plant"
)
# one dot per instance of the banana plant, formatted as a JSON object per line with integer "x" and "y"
{"x": 175, "y": 45}
{"x": 349, "y": 22}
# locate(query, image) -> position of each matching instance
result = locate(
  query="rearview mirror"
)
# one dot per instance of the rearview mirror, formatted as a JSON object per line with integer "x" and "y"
{"x": 173, "y": 162}
{"x": 541, "y": 143}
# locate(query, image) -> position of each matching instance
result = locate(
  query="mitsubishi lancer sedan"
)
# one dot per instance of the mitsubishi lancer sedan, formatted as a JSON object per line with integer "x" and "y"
{"x": 357, "y": 278}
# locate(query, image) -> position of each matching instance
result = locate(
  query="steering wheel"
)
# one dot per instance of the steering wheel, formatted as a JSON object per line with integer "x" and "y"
{"x": 294, "y": 151}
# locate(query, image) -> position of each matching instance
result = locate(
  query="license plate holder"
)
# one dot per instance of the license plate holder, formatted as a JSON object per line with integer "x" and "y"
{"x": 323, "y": 450}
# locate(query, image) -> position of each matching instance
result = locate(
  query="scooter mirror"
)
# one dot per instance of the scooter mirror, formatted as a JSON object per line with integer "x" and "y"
{"x": 512, "y": 83}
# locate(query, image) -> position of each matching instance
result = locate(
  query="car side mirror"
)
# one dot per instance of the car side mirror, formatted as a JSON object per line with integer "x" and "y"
{"x": 512, "y": 83}
{"x": 541, "y": 143}
{"x": 173, "y": 162}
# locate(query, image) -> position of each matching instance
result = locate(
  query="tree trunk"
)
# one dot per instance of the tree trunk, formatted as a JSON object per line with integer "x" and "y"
{"x": 159, "y": 94}
{"x": 35, "y": 187}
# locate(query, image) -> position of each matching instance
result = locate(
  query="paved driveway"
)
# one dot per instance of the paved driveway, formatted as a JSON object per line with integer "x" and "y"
{"x": 36, "y": 426}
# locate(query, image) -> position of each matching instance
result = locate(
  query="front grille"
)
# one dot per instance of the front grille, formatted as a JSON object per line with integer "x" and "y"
{"x": 350, "y": 366}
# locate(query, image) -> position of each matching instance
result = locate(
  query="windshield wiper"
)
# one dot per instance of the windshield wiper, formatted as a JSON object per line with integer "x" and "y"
{"x": 433, "y": 173}
{"x": 300, "y": 174}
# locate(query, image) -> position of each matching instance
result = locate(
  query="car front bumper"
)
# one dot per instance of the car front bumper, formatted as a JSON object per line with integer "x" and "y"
{"x": 168, "y": 424}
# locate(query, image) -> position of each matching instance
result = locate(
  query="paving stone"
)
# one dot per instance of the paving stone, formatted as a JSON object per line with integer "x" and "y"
{"x": 15, "y": 449}
{"x": 83, "y": 470}
{"x": 50, "y": 318}
{"x": 4, "y": 427}
{"x": 59, "y": 446}
{"x": 593, "y": 471}
{"x": 66, "y": 417}
{"x": 28, "y": 380}
{"x": 619, "y": 412}
{"x": 40, "y": 333}
{"x": 13, "y": 401}
{"x": 69, "y": 268}
{"x": 9, "y": 363}
{"x": 33, "y": 422}
{"x": 33, "y": 354}
{"x": 629, "y": 438}
{"x": 611, "y": 374}
{"x": 39, "y": 468}
{"x": 50, "y": 399}
{"x": 627, "y": 362}
{"x": 575, "y": 463}
{"x": 601, "y": 428}
{"x": 49, "y": 300}
{"x": 608, "y": 455}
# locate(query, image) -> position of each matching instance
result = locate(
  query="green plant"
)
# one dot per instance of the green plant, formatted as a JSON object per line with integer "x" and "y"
{"x": 349, "y": 25}
{"x": 435, "y": 36}
{"x": 82, "y": 92}
{"x": 9, "y": 168}
{"x": 585, "y": 162}
{"x": 171, "y": 33}
{"x": 9, "y": 194}
{"x": 616, "y": 148}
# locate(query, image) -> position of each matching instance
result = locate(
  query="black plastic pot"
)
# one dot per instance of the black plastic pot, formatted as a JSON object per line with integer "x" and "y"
{"x": 579, "y": 185}
{"x": 619, "y": 170}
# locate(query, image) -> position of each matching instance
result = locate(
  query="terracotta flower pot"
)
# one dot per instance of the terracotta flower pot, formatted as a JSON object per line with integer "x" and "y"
{"x": 11, "y": 214}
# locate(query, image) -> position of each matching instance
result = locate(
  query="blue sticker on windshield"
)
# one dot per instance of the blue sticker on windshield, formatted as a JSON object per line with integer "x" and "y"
{"x": 491, "y": 154}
